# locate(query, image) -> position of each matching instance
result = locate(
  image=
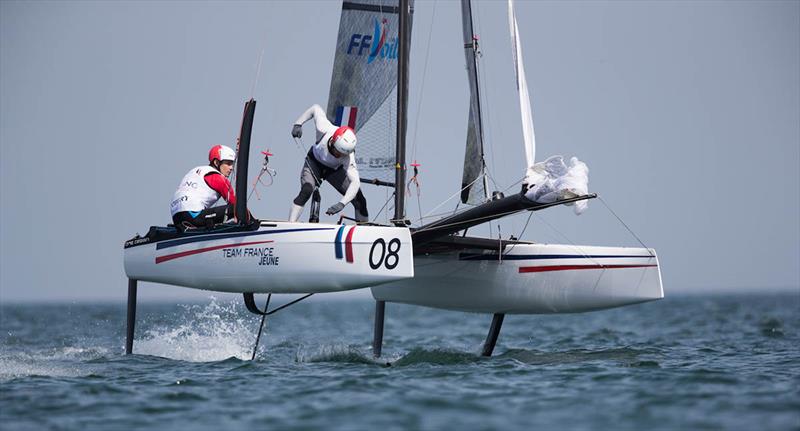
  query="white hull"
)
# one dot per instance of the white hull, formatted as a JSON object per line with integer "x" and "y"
{"x": 531, "y": 279}
{"x": 279, "y": 257}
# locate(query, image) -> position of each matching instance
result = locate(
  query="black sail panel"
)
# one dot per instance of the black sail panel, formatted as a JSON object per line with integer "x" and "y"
{"x": 473, "y": 180}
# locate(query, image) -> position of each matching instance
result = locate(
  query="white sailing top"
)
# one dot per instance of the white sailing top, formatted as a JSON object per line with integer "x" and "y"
{"x": 193, "y": 194}
{"x": 325, "y": 130}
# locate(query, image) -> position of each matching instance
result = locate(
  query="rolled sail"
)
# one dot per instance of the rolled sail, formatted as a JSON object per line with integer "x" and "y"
{"x": 531, "y": 177}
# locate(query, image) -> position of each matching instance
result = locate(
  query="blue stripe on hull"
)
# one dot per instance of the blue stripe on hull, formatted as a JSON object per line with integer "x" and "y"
{"x": 212, "y": 237}
{"x": 338, "y": 243}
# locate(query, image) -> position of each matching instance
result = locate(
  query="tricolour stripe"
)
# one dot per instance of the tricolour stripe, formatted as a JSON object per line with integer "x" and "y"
{"x": 169, "y": 257}
{"x": 524, "y": 269}
{"x": 339, "y": 115}
{"x": 351, "y": 121}
{"x": 338, "y": 243}
{"x": 349, "y": 245}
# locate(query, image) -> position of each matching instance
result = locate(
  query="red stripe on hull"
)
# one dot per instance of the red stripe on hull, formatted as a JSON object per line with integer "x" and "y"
{"x": 349, "y": 245}
{"x": 168, "y": 257}
{"x": 524, "y": 269}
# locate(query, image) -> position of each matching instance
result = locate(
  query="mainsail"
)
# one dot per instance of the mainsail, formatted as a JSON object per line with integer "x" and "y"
{"x": 473, "y": 181}
{"x": 363, "y": 93}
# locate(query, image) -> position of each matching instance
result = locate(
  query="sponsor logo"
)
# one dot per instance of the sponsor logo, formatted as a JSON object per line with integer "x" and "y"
{"x": 375, "y": 162}
{"x": 183, "y": 198}
{"x": 136, "y": 241}
{"x": 265, "y": 256}
{"x": 375, "y": 45}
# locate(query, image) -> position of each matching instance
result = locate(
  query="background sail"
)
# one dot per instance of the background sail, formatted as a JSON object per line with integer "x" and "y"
{"x": 473, "y": 180}
{"x": 363, "y": 91}
{"x": 524, "y": 99}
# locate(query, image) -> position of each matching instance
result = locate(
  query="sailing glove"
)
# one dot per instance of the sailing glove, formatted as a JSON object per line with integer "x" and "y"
{"x": 335, "y": 208}
{"x": 297, "y": 131}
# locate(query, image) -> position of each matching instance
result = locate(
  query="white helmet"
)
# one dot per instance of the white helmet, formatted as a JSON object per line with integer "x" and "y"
{"x": 344, "y": 140}
{"x": 221, "y": 152}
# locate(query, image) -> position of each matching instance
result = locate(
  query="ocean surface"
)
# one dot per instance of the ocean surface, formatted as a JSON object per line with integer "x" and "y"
{"x": 685, "y": 362}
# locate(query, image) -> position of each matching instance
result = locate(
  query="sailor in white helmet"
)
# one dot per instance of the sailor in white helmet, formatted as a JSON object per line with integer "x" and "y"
{"x": 332, "y": 159}
{"x": 201, "y": 188}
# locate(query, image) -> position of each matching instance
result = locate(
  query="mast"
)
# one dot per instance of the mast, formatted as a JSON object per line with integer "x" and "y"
{"x": 242, "y": 159}
{"x": 402, "y": 108}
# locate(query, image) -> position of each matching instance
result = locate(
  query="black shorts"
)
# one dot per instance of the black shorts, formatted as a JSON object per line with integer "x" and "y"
{"x": 204, "y": 219}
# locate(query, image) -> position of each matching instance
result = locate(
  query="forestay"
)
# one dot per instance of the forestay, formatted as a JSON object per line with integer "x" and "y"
{"x": 363, "y": 93}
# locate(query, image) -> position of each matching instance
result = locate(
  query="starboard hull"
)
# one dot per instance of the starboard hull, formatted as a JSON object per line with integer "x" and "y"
{"x": 278, "y": 257}
{"x": 530, "y": 279}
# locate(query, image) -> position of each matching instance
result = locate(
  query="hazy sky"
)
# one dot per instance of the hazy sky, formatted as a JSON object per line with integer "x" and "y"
{"x": 687, "y": 113}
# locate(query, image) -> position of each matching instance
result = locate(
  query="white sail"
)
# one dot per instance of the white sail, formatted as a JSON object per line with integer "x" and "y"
{"x": 531, "y": 177}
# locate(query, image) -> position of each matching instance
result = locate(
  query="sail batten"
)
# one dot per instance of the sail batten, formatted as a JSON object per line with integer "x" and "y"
{"x": 473, "y": 180}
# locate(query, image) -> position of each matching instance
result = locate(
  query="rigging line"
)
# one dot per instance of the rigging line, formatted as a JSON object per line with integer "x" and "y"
{"x": 422, "y": 84}
{"x": 512, "y": 185}
{"x": 258, "y": 73}
{"x": 482, "y": 82}
{"x": 317, "y": 182}
{"x": 575, "y": 246}
{"x": 521, "y": 233}
{"x": 258, "y": 181}
{"x": 380, "y": 211}
{"x": 452, "y": 196}
{"x": 429, "y": 215}
{"x": 448, "y": 213}
{"x": 623, "y": 223}
{"x": 419, "y": 207}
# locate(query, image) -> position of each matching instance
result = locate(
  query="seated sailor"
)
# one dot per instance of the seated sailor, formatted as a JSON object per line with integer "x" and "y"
{"x": 331, "y": 158}
{"x": 201, "y": 188}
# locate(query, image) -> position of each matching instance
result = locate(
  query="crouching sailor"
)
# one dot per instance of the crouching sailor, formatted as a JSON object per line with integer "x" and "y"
{"x": 332, "y": 158}
{"x": 201, "y": 188}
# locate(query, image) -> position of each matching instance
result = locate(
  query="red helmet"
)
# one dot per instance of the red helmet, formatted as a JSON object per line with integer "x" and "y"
{"x": 221, "y": 152}
{"x": 344, "y": 140}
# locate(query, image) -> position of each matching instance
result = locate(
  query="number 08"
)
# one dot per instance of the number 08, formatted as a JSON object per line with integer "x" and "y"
{"x": 387, "y": 255}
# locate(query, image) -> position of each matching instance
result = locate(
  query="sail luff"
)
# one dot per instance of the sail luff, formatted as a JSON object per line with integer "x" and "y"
{"x": 473, "y": 187}
{"x": 526, "y": 112}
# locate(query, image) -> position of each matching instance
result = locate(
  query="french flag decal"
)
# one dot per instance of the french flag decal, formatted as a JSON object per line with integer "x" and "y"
{"x": 347, "y": 245}
{"x": 346, "y": 116}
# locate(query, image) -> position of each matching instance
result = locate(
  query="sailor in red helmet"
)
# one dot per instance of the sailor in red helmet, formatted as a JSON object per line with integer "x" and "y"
{"x": 201, "y": 188}
{"x": 331, "y": 159}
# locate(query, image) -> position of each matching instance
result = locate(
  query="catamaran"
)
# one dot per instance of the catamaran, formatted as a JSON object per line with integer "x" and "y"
{"x": 433, "y": 264}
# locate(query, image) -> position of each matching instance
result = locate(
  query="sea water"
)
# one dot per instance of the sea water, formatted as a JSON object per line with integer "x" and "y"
{"x": 685, "y": 362}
